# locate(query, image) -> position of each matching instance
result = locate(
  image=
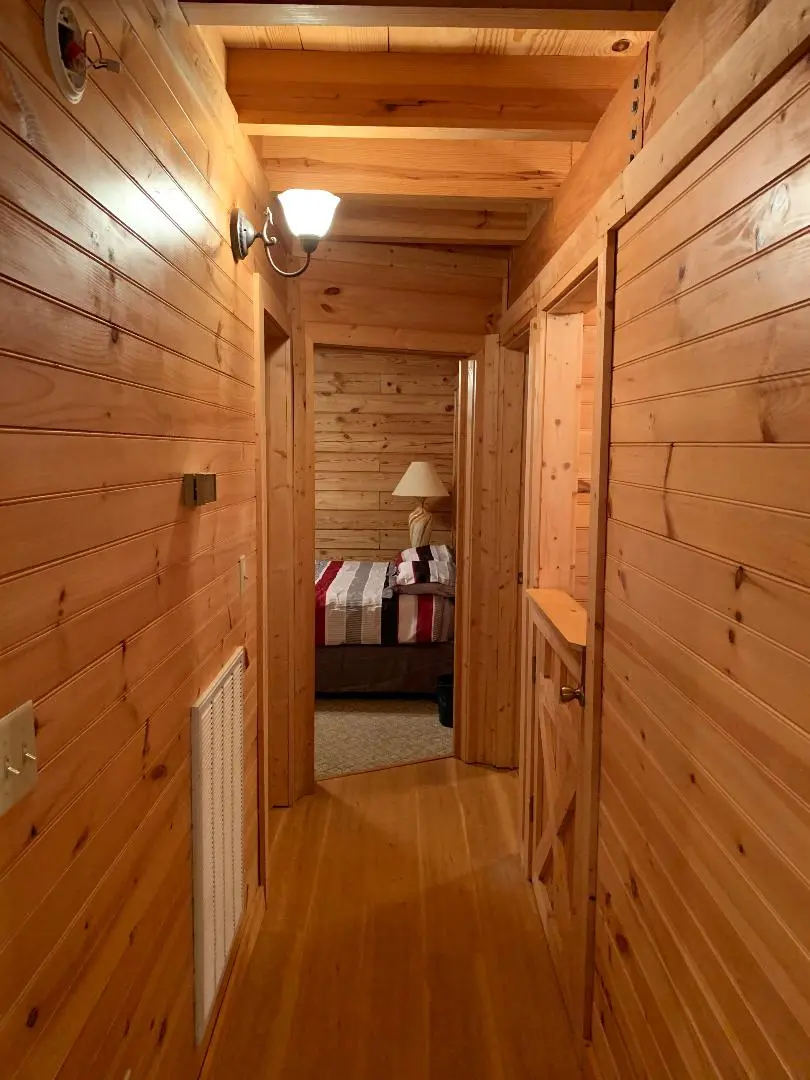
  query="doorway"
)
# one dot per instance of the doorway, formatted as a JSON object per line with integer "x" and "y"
{"x": 384, "y": 609}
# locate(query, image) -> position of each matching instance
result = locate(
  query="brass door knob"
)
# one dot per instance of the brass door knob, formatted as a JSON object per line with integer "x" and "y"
{"x": 572, "y": 693}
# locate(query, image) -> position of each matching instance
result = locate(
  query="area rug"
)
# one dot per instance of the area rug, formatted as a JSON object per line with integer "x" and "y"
{"x": 357, "y": 734}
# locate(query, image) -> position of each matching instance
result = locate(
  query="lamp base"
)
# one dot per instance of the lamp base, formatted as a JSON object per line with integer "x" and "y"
{"x": 420, "y": 525}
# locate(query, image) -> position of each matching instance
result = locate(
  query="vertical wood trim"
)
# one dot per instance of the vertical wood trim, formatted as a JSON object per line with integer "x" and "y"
{"x": 512, "y": 393}
{"x": 533, "y": 471}
{"x": 262, "y": 619}
{"x": 588, "y": 785}
{"x": 303, "y": 667}
{"x": 483, "y": 548}
{"x": 490, "y": 560}
{"x": 468, "y": 371}
{"x": 281, "y": 563}
{"x": 532, "y": 479}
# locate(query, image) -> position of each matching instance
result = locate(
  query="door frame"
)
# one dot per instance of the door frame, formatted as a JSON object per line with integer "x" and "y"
{"x": 490, "y": 442}
{"x": 571, "y": 293}
{"x": 271, "y": 331}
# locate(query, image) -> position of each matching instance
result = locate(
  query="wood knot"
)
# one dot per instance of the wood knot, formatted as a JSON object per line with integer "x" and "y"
{"x": 84, "y": 836}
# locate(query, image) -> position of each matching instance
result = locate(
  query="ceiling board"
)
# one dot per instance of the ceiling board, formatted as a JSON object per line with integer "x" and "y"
{"x": 504, "y": 42}
{"x": 346, "y": 131}
{"x": 344, "y": 38}
{"x": 553, "y": 94}
{"x": 552, "y": 15}
{"x": 438, "y": 221}
{"x": 497, "y": 169}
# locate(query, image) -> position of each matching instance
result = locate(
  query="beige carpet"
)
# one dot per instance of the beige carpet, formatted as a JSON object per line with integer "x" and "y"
{"x": 357, "y": 734}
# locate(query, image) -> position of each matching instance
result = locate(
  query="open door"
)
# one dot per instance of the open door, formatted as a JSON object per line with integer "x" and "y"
{"x": 559, "y": 744}
{"x": 556, "y": 756}
{"x": 489, "y": 449}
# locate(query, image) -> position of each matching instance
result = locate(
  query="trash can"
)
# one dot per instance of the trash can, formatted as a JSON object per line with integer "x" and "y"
{"x": 444, "y": 693}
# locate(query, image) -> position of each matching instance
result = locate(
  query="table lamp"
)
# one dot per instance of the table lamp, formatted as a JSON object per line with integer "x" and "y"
{"x": 421, "y": 481}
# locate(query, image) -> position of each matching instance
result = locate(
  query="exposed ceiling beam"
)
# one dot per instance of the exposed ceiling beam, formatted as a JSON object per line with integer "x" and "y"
{"x": 482, "y": 170}
{"x": 339, "y": 131}
{"x": 554, "y": 94}
{"x": 426, "y": 221}
{"x": 554, "y": 15}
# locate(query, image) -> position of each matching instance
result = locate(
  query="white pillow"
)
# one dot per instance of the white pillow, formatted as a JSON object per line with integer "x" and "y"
{"x": 428, "y": 553}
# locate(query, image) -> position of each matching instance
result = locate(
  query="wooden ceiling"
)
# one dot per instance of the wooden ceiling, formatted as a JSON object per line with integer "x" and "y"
{"x": 430, "y": 39}
{"x": 431, "y": 134}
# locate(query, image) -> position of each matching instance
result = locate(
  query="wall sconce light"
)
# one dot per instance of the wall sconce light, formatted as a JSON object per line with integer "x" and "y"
{"x": 309, "y": 215}
{"x": 69, "y": 49}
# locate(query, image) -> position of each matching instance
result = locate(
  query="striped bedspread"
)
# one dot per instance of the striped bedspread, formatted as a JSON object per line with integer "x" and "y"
{"x": 356, "y": 604}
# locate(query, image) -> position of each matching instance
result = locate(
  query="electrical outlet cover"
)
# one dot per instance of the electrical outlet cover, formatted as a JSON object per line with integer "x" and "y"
{"x": 18, "y": 772}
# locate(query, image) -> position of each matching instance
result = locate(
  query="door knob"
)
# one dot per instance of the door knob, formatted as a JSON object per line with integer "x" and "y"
{"x": 572, "y": 693}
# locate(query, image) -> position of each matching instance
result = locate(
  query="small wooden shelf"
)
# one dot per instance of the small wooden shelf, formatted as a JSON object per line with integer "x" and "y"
{"x": 569, "y": 618}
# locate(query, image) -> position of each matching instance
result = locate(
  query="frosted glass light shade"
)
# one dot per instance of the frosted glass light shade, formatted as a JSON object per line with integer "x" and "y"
{"x": 421, "y": 481}
{"x": 308, "y": 213}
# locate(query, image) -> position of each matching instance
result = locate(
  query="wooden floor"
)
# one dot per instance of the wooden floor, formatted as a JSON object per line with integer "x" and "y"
{"x": 401, "y": 941}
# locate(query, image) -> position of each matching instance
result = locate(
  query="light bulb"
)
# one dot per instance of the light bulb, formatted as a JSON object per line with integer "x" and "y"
{"x": 308, "y": 213}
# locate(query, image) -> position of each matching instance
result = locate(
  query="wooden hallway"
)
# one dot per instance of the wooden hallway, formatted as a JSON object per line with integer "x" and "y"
{"x": 400, "y": 941}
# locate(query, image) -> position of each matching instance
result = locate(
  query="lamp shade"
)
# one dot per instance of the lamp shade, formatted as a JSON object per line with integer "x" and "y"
{"x": 421, "y": 481}
{"x": 308, "y": 213}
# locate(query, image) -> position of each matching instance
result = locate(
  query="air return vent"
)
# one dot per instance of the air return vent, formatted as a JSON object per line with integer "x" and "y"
{"x": 217, "y": 793}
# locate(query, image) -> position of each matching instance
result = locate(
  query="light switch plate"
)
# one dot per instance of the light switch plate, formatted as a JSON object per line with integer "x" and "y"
{"x": 18, "y": 772}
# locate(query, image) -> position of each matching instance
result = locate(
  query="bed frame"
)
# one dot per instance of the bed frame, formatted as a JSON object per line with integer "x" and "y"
{"x": 382, "y": 669}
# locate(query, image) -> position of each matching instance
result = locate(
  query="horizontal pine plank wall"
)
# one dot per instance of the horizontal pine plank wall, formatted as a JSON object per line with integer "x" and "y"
{"x": 387, "y": 296}
{"x": 375, "y": 412}
{"x": 693, "y": 36}
{"x": 389, "y": 324}
{"x": 704, "y": 868}
{"x": 127, "y": 337}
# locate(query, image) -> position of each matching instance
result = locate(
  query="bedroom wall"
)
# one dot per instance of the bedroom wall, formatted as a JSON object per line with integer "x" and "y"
{"x": 127, "y": 338}
{"x": 389, "y": 323}
{"x": 375, "y": 412}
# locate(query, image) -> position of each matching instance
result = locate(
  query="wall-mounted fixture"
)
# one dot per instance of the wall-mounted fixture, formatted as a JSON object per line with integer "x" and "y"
{"x": 18, "y": 756}
{"x": 309, "y": 215}
{"x": 199, "y": 488}
{"x": 69, "y": 49}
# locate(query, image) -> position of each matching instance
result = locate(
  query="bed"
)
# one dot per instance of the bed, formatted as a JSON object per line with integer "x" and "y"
{"x": 373, "y": 639}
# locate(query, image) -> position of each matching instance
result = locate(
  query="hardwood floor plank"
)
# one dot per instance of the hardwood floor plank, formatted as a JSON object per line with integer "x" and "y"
{"x": 401, "y": 940}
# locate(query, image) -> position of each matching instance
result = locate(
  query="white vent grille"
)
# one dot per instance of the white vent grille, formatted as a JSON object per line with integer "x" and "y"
{"x": 217, "y": 722}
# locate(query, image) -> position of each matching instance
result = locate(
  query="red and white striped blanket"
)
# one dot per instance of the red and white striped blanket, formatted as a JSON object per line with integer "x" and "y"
{"x": 356, "y": 604}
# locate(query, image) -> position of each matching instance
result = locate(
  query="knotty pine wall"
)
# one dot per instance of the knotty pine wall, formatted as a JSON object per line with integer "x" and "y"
{"x": 692, "y": 37}
{"x": 375, "y": 412}
{"x": 126, "y": 335}
{"x": 402, "y": 298}
{"x": 582, "y": 500}
{"x": 389, "y": 323}
{"x": 703, "y": 938}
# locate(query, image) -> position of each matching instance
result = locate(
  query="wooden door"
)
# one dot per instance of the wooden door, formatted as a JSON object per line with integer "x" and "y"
{"x": 490, "y": 444}
{"x": 557, "y": 745}
{"x": 555, "y": 758}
